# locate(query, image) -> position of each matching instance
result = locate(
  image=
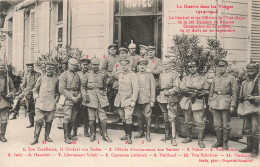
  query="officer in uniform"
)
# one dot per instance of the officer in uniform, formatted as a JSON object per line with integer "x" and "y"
{"x": 69, "y": 87}
{"x": 94, "y": 95}
{"x": 248, "y": 108}
{"x": 143, "y": 51}
{"x": 28, "y": 83}
{"x": 126, "y": 97}
{"x": 5, "y": 97}
{"x": 169, "y": 84}
{"x": 46, "y": 95}
{"x": 133, "y": 57}
{"x": 145, "y": 100}
{"x": 155, "y": 66}
{"x": 83, "y": 110}
{"x": 107, "y": 65}
{"x": 194, "y": 87}
{"x": 222, "y": 102}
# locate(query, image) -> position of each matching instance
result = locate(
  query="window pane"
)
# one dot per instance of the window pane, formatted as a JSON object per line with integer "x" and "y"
{"x": 159, "y": 5}
{"x": 60, "y": 11}
{"x": 59, "y": 35}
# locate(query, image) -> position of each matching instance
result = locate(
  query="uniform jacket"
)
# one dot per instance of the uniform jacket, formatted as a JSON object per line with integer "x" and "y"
{"x": 4, "y": 102}
{"x": 128, "y": 89}
{"x": 193, "y": 83}
{"x": 94, "y": 85}
{"x": 108, "y": 63}
{"x": 133, "y": 61}
{"x": 69, "y": 86}
{"x": 81, "y": 77}
{"x": 28, "y": 83}
{"x": 223, "y": 92}
{"x": 249, "y": 88}
{"x": 146, "y": 88}
{"x": 168, "y": 81}
{"x": 46, "y": 91}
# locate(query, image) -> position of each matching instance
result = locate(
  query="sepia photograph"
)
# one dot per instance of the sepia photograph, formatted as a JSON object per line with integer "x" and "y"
{"x": 152, "y": 83}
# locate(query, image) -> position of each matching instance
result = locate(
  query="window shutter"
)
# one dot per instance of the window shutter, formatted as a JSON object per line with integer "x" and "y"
{"x": 255, "y": 31}
{"x": 32, "y": 40}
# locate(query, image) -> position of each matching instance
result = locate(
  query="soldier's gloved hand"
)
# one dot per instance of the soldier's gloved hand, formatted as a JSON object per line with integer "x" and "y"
{"x": 132, "y": 103}
{"x": 151, "y": 103}
{"x": 167, "y": 93}
{"x": 232, "y": 109}
{"x": 59, "y": 107}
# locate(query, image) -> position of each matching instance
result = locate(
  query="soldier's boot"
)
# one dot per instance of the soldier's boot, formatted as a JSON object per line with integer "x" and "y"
{"x": 141, "y": 129}
{"x": 173, "y": 140}
{"x": 47, "y": 132}
{"x": 157, "y": 125}
{"x": 129, "y": 133}
{"x": 86, "y": 127}
{"x": 31, "y": 120}
{"x": 225, "y": 138}
{"x": 249, "y": 145}
{"x": 37, "y": 132}
{"x": 167, "y": 132}
{"x": 188, "y": 138}
{"x": 66, "y": 133}
{"x": 219, "y": 143}
{"x": 200, "y": 138}
{"x": 124, "y": 126}
{"x": 92, "y": 130}
{"x": 100, "y": 127}
{"x": 104, "y": 129}
{"x": 74, "y": 132}
{"x": 2, "y": 134}
{"x": 70, "y": 129}
{"x": 255, "y": 147}
{"x": 14, "y": 116}
{"x": 148, "y": 130}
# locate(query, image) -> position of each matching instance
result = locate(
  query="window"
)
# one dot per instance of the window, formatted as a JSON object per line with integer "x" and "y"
{"x": 60, "y": 11}
{"x": 60, "y": 37}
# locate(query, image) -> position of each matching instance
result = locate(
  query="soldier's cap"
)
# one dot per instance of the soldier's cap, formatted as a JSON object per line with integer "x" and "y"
{"x": 124, "y": 61}
{"x": 84, "y": 59}
{"x": 112, "y": 46}
{"x": 252, "y": 66}
{"x": 143, "y": 46}
{"x": 131, "y": 45}
{"x": 30, "y": 64}
{"x": 50, "y": 64}
{"x": 123, "y": 49}
{"x": 192, "y": 63}
{"x": 142, "y": 60}
{"x": 95, "y": 61}
{"x": 73, "y": 61}
{"x": 151, "y": 48}
{"x": 222, "y": 63}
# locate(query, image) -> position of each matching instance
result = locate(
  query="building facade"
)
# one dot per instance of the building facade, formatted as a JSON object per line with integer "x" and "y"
{"x": 39, "y": 26}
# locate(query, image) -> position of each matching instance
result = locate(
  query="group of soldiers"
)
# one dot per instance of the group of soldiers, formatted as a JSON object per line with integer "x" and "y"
{"x": 128, "y": 83}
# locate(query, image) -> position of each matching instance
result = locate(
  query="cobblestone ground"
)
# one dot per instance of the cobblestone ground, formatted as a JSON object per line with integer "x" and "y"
{"x": 18, "y": 151}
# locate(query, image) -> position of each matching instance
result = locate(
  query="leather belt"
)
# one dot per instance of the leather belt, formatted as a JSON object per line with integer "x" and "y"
{"x": 222, "y": 92}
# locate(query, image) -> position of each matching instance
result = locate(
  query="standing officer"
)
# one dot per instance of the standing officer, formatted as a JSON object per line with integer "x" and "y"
{"x": 69, "y": 87}
{"x": 94, "y": 95}
{"x": 126, "y": 98}
{"x": 145, "y": 100}
{"x": 133, "y": 57}
{"x": 27, "y": 87}
{"x": 83, "y": 110}
{"x": 143, "y": 51}
{"x": 249, "y": 108}
{"x": 5, "y": 97}
{"x": 194, "y": 87}
{"x": 155, "y": 66}
{"x": 168, "y": 83}
{"x": 222, "y": 102}
{"x": 107, "y": 65}
{"x": 46, "y": 95}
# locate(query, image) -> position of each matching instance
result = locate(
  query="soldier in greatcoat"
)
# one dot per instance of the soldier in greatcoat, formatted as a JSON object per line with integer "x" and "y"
{"x": 249, "y": 108}
{"x": 46, "y": 95}
{"x": 145, "y": 100}
{"x": 167, "y": 99}
{"x": 5, "y": 99}
{"x": 133, "y": 57}
{"x": 126, "y": 98}
{"x": 194, "y": 87}
{"x": 94, "y": 93}
{"x": 222, "y": 102}
{"x": 69, "y": 88}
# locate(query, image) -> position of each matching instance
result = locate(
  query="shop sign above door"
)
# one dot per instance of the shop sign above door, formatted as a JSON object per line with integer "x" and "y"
{"x": 138, "y": 6}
